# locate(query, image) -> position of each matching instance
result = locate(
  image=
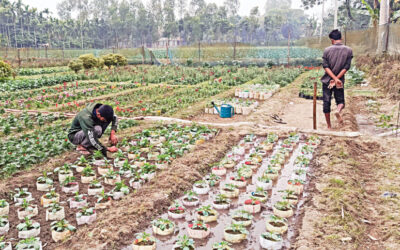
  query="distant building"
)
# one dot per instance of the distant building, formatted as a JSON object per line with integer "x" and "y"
{"x": 163, "y": 42}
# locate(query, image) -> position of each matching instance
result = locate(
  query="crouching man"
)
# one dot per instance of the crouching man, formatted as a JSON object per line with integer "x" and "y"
{"x": 89, "y": 125}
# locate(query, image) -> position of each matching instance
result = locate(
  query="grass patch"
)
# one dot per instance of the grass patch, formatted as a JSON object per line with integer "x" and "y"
{"x": 337, "y": 182}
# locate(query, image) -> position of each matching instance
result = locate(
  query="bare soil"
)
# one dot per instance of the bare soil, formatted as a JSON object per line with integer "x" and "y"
{"x": 116, "y": 226}
{"x": 346, "y": 209}
{"x": 294, "y": 111}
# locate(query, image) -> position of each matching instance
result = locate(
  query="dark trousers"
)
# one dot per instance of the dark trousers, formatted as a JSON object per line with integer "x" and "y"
{"x": 327, "y": 97}
{"x": 81, "y": 139}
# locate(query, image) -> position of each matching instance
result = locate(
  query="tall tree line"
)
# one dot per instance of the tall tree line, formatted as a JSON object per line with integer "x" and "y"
{"x": 132, "y": 23}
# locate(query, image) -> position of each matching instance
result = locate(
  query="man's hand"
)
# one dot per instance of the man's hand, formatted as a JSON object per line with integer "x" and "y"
{"x": 113, "y": 138}
{"x": 335, "y": 82}
{"x": 338, "y": 84}
{"x": 112, "y": 149}
{"x": 332, "y": 84}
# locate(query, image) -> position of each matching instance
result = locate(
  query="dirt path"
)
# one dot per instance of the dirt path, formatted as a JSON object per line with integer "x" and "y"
{"x": 299, "y": 113}
{"x": 294, "y": 111}
{"x": 347, "y": 209}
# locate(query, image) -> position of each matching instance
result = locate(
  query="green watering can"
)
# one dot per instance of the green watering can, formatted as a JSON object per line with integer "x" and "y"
{"x": 227, "y": 111}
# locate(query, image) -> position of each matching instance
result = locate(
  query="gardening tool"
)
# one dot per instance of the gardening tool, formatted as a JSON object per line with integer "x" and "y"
{"x": 227, "y": 111}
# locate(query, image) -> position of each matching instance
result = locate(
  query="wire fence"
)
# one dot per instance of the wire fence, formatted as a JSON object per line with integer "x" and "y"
{"x": 200, "y": 53}
{"x": 361, "y": 41}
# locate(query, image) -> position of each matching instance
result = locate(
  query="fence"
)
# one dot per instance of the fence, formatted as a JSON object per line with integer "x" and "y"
{"x": 361, "y": 41}
{"x": 41, "y": 57}
{"x": 189, "y": 55}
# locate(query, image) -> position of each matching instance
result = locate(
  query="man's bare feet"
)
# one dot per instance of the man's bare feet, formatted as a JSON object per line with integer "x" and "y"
{"x": 339, "y": 118}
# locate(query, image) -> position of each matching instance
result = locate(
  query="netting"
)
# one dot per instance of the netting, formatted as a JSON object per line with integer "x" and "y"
{"x": 361, "y": 41}
{"x": 244, "y": 54}
{"x": 54, "y": 56}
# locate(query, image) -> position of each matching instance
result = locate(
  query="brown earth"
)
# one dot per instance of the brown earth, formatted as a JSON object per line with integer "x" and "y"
{"x": 384, "y": 72}
{"x": 294, "y": 111}
{"x": 346, "y": 209}
{"x": 116, "y": 226}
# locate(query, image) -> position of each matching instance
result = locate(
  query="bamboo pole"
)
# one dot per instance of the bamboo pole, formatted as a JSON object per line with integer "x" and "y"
{"x": 315, "y": 106}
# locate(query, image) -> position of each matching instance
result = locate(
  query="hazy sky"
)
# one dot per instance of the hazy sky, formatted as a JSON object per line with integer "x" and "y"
{"x": 245, "y": 5}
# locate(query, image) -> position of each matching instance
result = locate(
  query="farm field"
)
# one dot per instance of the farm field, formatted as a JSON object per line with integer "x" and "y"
{"x": 185, "y": 177}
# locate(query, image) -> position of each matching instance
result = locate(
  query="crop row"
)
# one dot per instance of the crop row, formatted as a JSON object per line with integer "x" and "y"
{"x": 21, "y": 152}
{"x": 250, "y": 172}
{"x": 71, "y": 96}
{"x": 10, "y": 123}
{"x": 161, "y": 74}
{"x": 56, "y": 89}
{"x": 93, "y": 184}
{"x": 281, "y": 76}
{"x": 138, "y": 95}
{"x": 40, "y": 71}
{"x": 184, "y": 97}
{"x": 169, "y": 99}
{"x": 14, "y": 85}
{"x": 135, "y": 74}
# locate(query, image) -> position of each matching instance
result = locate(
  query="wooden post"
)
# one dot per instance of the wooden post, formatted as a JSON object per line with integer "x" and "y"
{"x": 167, "y": 51}
{"x": 315, "y": 106}
{"x": 199, "y": 53}
{"x": 143, "y": 54}
{"x": 47, "y": 55}
{"x": 19, "y": 57}
{"x": 234, "y": 49}
{"x": 288, "y": 49}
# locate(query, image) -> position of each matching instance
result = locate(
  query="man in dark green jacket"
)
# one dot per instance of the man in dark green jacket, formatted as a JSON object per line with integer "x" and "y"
{"x": 89, "y": 125}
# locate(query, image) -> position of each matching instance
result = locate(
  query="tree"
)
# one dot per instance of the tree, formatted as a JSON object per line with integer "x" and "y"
{"x": 75, "y": 65}
{"x": 170, "y": 25}
{"x": 5, "y": 70}
{"x": 383, "y": 31}
{"x": 277, "y": 4}
{"x": 88, "y": 61}
{"x": 181, "y": 8}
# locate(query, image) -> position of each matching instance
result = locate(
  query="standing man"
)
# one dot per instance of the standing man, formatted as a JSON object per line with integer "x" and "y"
{"x": 336, "y": 62}
{"x": 89, "y": 125}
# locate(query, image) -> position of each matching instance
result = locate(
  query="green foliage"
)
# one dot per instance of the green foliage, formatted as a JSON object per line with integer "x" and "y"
{"x": 62, "y": 226}
{"x": 114, "y": 60}
{"x": 5, "y": 70}
{"x": 75, "y": 65}
{"x": 88, "y": 61}
{"x": 21, "y": 152}
{"x": 120, "y": 59}
{"x": 40, "y": 71}
{"x": 100, "y": 63}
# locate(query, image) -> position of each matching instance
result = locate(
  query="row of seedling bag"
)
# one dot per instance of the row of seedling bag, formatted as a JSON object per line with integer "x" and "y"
{"x": 256, "y": 91}
{"x": 92, "y": 183}
{"x": 238, "y": 168}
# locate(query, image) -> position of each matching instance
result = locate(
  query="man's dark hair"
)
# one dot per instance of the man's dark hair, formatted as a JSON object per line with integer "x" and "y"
{"x": 335, "y": 35}
{"x": 107, "y": 112}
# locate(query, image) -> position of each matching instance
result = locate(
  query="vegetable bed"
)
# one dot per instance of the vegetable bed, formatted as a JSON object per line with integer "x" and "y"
{"x": 72, "y": 194}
